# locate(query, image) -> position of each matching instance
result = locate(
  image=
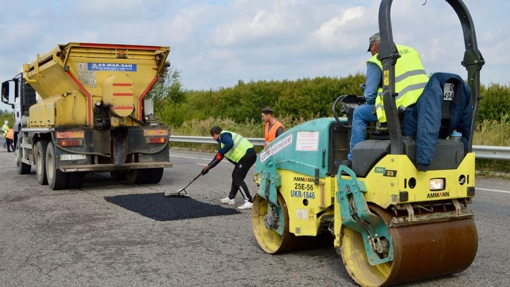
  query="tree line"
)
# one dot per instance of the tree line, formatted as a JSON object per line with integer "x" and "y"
{"x": 302, "y": 98}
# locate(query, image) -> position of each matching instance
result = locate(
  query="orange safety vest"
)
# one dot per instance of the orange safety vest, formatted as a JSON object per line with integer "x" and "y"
{"x": 271, "y": 135}
{"x": 10, "y": 134}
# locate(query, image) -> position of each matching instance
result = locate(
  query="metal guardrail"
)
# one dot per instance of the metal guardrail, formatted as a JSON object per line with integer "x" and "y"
{"x": 208, "y": 140}
{"x": 492, "y": 152}
{"x": 481, "y": 151}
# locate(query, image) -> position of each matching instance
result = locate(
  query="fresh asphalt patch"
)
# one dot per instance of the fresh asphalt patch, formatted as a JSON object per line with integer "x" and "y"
{"x": 161, "y": 208}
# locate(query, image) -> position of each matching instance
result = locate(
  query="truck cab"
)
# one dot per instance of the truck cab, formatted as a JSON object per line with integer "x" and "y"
{"x": 20, "y": 96}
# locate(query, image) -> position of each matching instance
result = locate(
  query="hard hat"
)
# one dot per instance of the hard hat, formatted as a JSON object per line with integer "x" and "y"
{"x": 6, "y": 122}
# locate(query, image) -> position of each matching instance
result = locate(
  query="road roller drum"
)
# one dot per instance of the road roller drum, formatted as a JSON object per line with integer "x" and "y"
{"x": 420, "y": 251}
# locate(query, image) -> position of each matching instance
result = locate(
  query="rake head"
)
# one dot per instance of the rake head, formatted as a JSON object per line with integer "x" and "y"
{"x": 179, "y": 193}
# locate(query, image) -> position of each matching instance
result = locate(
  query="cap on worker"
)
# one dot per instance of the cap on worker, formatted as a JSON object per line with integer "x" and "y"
{"x": 6, "y": 122}
{"x": 376, "y": 37}
{"x": 267, "y": 111}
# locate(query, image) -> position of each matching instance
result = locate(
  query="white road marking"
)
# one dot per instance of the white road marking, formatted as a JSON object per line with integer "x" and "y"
{"x": 494, "y": 190}
{"x": 183, "y": 156}
{"x": 191, "y": 157}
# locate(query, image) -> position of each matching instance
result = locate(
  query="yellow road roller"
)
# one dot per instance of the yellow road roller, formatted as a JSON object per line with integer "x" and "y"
{"x": 392, "y": 219}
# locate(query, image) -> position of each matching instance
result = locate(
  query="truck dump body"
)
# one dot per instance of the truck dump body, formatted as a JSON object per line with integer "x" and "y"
{"x": 93, "y": 114}
{"x": 86, "y": 74}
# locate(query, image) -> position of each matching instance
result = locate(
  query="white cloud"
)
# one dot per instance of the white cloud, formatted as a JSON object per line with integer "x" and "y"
{"x": 257, "y": 24}
{"x": 331, "y": 34}
{"x": 216, "y": 43}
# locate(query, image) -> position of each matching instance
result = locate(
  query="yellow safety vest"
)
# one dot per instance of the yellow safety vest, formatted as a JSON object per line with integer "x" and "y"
{"x": 5, "y": 128}
{"x": 241, "y": 145}
{"x": 410, "y": 79}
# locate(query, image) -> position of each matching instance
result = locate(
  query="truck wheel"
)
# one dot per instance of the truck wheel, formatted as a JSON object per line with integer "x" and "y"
{"x": 137, "y": 176}
{"x": 22, "y": 167}
{"x": 76, "y": 180}
{"x": 40, "y": 162}
{"x": 56, "y": 178}
{"x": 154, "y": 175}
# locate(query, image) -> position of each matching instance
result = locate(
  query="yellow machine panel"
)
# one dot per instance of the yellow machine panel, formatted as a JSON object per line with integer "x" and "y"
{"x": 71, "y": 110}
{"x": 42, "y": 114}
{"x": 395, "y": 176}
{"x": 306, "y": 200}
{"x": 118, "y": 94}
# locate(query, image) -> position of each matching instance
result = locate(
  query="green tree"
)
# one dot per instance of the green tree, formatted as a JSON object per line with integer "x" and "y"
{"x": 6, "y": 115}
{"x": 169, "y": 91}
{"x": 169, "y": 98}
{"x": 495, "y": 102}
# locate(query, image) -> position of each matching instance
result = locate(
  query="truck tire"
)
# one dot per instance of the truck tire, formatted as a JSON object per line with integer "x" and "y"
{"x": 137, "y": 176}
{"x": 56, "y": 178}
{"x": 40, "y": 162}
{"x": 155, "y": 175}
{"x": 22, "y": 167}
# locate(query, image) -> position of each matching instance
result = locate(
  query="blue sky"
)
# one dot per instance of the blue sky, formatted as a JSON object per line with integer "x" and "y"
{"x": 217, "y": 43}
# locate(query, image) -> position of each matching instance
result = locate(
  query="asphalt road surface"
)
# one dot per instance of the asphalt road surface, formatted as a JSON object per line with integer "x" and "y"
{"x": 78, "y": 238}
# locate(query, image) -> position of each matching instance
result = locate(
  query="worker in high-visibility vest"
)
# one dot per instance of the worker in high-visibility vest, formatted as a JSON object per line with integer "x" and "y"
{"x": 9, "y": 139}
{"x": 5, "y": 128}
{"x": 239, "y": 151}
{"x": 272, "y": 128}
{"x": 410, "y": 77}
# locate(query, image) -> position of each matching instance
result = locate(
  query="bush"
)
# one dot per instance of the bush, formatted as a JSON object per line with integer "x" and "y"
{"x": 495, "y": 103}
{"x": 301, "y": 99}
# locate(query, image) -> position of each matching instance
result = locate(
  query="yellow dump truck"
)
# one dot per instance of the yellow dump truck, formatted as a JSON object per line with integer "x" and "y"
{"x": 83, "y": 107}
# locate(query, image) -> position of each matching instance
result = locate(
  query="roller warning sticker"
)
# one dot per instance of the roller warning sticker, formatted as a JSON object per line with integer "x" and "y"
{"x": 276, "y": 148}
{"x": 307, "y": 141}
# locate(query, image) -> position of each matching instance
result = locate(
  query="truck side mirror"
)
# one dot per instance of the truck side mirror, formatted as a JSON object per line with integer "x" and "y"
{"x": 5, "y": 92}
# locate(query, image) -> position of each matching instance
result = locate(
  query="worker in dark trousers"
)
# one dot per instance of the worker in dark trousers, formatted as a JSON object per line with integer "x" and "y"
{"x": 239, "y": 151}
{"x": 9, "y": 138}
